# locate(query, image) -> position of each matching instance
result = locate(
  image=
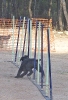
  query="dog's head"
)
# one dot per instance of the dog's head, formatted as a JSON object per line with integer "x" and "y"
{"x": 24, "y": 57}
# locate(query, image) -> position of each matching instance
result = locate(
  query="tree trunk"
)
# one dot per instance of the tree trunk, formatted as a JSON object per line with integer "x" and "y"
{"x": 60, "y": 17}
{"x": 58, "y": 6}
{"x": 50, "y": 6}
{"x": 16, "y": 8}
{"x": 65, "y": 11}
{"x": 4, "y": 8}
{"x": 49, "y": 11}
{"x": 30, "y": 11}
{"x": 1, "y": 8}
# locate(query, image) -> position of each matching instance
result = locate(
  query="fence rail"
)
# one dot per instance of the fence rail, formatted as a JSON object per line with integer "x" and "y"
{"x": 6, "y": 23}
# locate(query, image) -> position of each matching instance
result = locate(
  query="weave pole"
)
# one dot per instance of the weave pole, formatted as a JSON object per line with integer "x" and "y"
{"x": 50, "y": 78}
{"x": 42, "y": 55}
{"x": 24, "y": 39}
{"x": 17, "y": 40}
{"x": 35, "y": 50}
{"x": 30, "y": 53}
{"x": 21, "y": 37}
{"x": 39, "y": 38}
{"x": 28, "y": 36}
{"x": 13, "y": 20}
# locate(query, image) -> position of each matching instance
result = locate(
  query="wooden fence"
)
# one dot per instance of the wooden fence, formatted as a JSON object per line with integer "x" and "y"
{"x": 6, "y": 32}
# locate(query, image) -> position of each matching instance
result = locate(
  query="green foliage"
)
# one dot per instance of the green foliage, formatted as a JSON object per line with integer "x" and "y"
{"x": 20, "y": 8}
{"x": 39, "y": 8}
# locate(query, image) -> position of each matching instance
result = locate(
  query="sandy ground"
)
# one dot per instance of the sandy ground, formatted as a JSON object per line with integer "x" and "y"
{"x": 61, "y": 43}
{"x": 59, "y": 63}
{"x": 23, "y": 89}
{"x": 12, "y": 88}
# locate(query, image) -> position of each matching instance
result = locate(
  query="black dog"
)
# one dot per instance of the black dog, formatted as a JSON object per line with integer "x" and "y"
{"x": 24, "y": 57}
{"x": 27, "y": 65}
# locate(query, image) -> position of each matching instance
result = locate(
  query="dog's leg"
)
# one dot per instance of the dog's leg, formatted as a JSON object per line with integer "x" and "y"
{"x": 42, "y": 71}
{"x": 19, "y": 72}
{"x": 30, "y": 73}
{"x": 23, "y": 74}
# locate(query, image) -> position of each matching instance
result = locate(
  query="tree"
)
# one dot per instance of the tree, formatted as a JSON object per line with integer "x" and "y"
{"x": 30, "y": 11}
{"x": 62, "y": 10}
{"x": 55, "y": 9}
{"x": 60, "y": 16}
{"x": 0, "y": 8}
{"x": 50, "y": 6}
{"x": 35, "y": 8}
{"x": 4, "y": 9}
{"x": 65, "y": 10}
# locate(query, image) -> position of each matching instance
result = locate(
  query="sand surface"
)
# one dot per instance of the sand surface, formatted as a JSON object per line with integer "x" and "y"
{"x": 23, "y": 89}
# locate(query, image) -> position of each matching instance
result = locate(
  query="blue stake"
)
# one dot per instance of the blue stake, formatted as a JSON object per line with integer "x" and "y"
{"x": 50, "y": 78}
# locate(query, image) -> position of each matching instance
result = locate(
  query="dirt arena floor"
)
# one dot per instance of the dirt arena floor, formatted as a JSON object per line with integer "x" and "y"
{"x": 12, "y": 88}
{"x": 23, "y": 89}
